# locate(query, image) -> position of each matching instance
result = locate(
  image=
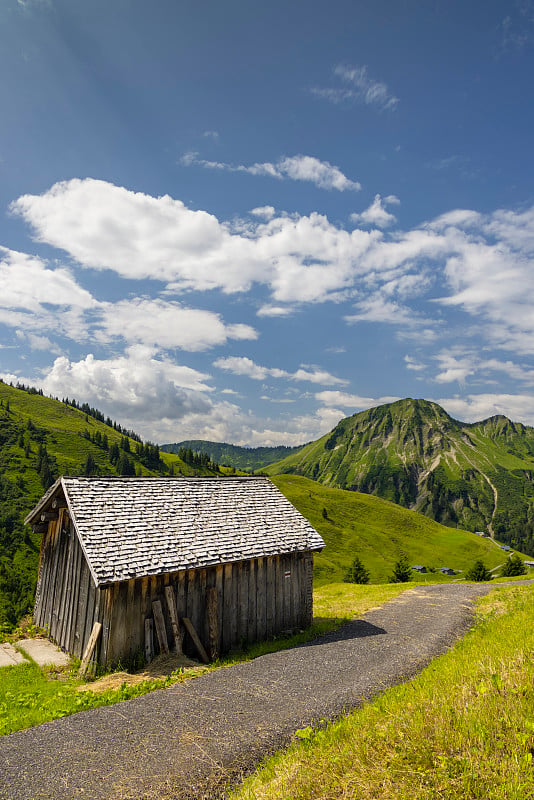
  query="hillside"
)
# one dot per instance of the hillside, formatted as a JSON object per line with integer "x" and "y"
{"x": 245, "y": 458}
{"x": 41, "y": 438}
{"x": 379, "y": 531}
{"x": 477, "y": 476}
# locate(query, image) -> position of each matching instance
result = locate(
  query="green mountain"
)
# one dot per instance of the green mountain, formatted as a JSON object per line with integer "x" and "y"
{"x": 476, "y": 476}
{"x": 41, "y": 438}
{"x": 378, "y": 531}
{"x": 245, "y": 458}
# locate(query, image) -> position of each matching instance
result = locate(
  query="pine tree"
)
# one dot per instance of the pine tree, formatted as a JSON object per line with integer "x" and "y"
{"x": 357, "y": 573}
{"x": 514, "y": 566}
{"x": 402, "y": 571}
{"x": 90, "y": 467}
{"x": 478, "y": 572}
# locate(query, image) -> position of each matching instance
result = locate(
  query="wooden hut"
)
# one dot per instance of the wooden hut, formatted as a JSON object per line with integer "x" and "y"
{"x": 230, "y": 555}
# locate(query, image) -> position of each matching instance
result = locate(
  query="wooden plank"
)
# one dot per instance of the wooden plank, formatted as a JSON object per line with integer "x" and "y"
{"x": 68, "y": 587}
{"x": 175, "y": 622}
{"x": 240, "y": 577}
{"x": 228, "y": 609}
{"x": 159, "y": 622}
{"x": 212, "y": 607}
{"x": 90, "y": 610}
{"x": 71, "y": 621}
{"x": 202, "y": 624}
{"x": 295, "y": 591}
{"x": 194, "y": 636}
{"x": 81, "y": 610}
{"x": 107, "y": 609}
{"x": 252, "y": 604}
{"x": 288, "y": 576}
{"x": 219, "y": 579}
{"x": 149, "y": 639}
{"x": 261, "y": 625}
{"x": 55, "y": 623}
{"x": 91, "y": 644}
{"x": 181, "y": 594}
{"x": 270, "y": 595}
{"x": 279, "y": 592}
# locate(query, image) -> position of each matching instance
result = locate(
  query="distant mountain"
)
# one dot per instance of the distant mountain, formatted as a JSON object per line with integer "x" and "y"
{"x": 476, "y": 476}
{"x": 245, "y": 458}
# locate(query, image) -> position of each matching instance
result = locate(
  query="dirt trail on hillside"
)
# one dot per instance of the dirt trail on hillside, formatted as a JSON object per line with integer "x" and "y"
{"x": 192, "y": 739}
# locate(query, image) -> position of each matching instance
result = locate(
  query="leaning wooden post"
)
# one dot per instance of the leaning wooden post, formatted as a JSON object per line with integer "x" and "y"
{"x": 89, "y": 650}
{"x": 212, "y": 603}
{"x": 196, "y": 641}
{"x": 175, "y": 622}
{"x": 160, "y": 626}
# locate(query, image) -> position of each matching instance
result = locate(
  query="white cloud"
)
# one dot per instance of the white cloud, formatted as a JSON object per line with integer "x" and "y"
{"x": 27, "y": 283}
{"x": 457, "y": 365}
{"x": 376, "y": 214}
{"x": 240, "y": 365}
{"x": 274, "y": 311}
{"x": 484, "y": 261}
{"x": 168, "y": 325}
{"x": 359, "y": 87}
{"x": 297, "y": 168}
{"x": 413, "y": 364}
{"x": 265, "y": 212}
{"x": 477, "y": 407}
{"x": 302, "y": 259}
{"x": 136, "y": 388}
{"x": 346, "y": 400}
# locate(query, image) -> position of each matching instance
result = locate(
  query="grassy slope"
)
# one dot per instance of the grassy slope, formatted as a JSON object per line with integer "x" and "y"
{"x": 463, "y": 729}
{"x": 378, "y": 531}
{"x": 60, "y": 428}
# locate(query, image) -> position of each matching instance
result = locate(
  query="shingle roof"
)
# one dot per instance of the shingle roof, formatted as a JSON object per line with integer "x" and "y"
{"x": 131, "y": 527}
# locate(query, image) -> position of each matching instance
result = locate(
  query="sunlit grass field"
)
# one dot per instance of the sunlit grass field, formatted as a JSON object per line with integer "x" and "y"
{"x": 463, "y": 729}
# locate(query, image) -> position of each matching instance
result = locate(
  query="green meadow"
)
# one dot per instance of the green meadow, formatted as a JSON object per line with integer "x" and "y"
{"x": 379, "y": 531}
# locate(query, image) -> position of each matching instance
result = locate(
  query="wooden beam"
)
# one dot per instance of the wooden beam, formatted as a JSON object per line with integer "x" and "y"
{"x": 149, "y": 640}
{"x": 89, "y": 650}
{"x": 159, "y": 622}
{"x": 196, "y": 641}
{"x": 46, "y": 516}
{"x": 212, "y": 603}
{"x": 175, "y": 622}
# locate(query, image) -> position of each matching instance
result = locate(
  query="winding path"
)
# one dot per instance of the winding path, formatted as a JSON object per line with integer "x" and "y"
{"x": 191, "y": 739}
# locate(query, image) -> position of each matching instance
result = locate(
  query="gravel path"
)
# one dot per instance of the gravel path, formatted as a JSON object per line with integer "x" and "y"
{"x": 190, "y": 740}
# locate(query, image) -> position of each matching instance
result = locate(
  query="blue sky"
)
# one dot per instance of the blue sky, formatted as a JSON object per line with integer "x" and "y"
{"x": 242, "y": 221}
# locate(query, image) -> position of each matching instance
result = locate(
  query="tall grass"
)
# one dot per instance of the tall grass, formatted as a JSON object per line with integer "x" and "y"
{"x": 463, "y": 729}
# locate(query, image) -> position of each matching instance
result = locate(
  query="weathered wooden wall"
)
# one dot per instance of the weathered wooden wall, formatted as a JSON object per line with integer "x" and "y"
{"x": 256, "y": 599}
{"x": 67, "y": 600}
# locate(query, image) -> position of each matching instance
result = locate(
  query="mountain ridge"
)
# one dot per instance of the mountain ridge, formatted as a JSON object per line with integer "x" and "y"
{"x": 476, "y": 475}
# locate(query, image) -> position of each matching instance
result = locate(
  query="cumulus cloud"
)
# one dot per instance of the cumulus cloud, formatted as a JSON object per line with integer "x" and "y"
{"x": 240, "y": 365}
{"x": 482, "y": 264}
{"x": 376, "y": 214}
{"x": 102, "y": 226}
{"x": 477, "y": 407}
{"x": 27, "y": 283}
{"x": 357, "y": 86}
{"x": 168, "y": 325}
{"x": 458, "y": 365}
{"x": 297, "y": 168}
{"x": 137, "y": 388}
{"x": 346, "y": 400}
